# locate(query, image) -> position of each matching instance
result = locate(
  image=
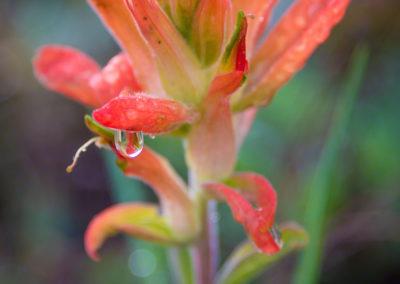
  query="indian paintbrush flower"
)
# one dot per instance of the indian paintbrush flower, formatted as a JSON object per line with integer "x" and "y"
{"x": 200, "y": 68}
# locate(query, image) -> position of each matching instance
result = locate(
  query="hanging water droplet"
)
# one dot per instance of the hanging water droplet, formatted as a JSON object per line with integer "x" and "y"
{"x": 152, "y": 136}
{"x": 276, "y": 234}
{"x": 129, "y": 143}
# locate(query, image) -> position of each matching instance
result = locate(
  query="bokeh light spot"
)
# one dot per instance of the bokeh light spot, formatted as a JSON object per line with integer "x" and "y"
{"x": 142, "y": 263}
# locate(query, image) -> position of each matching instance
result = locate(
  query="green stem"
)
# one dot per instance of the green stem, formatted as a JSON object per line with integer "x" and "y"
{"x": 310, "y": 262}
{"x": 197, "y": 263}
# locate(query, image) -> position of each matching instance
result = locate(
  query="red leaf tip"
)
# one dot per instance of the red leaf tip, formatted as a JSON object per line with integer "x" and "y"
{"x": 257, "y": 222}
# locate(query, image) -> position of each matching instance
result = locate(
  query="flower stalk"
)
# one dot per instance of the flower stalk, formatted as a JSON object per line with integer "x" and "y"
{"x": 182, "y": 266}
{"x": 205, "y": 251}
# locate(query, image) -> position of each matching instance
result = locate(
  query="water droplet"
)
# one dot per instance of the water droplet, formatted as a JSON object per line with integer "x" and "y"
{"x": 152, "y": 136}
{"x": 129, "y": 143}
{"x": 142, "y": 263}
{"x": 276, "y": 234}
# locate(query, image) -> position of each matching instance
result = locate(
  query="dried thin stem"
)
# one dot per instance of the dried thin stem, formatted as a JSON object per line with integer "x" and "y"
{"x": 81, "y": 149}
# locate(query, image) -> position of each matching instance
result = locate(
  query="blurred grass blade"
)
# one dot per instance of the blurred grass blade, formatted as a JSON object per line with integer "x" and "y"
{"x": 310, "y": 262}
{"x": 246, "y": 262}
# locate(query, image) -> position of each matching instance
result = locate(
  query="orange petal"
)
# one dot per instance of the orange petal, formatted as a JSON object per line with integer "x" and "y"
{"x": 304, "y": 27}
{"x": 178, "y": 67}
{"x": 257, "y": 189}
{"x": 117, "y": 18}
{"x": 242, "y": 210}
{"x": 139, "y": 220}
{"x": 156, "y": 171}
{"x": 68, "y": 71}
{"x": 258, "y": 223}
{"x": 211, "y": 151}
{"x": 258, "y": 13}
{"x": 140, "y": 112}
{"x": 116, "y": 76}
{"x": 209, "y": 33}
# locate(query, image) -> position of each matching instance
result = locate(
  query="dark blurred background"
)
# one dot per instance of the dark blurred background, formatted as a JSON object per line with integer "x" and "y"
{"x": 44, "y": 211}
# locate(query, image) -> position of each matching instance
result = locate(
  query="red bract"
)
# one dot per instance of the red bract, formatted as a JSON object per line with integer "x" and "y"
{"x": 115, "y": 77}
{"x": 139, "y": 112}
{"x": 72, "y": 73}
{"x": 176, "y": 223}
{"x": 213, "y": 135}
{"x": 300, "y": 31}
{"x": 120, "y": 23}
{"x": 67, "y": 71}
{"x": 186, "y": 62}
{"x": 157, "y": 172}
{"x": 258, "y": 222}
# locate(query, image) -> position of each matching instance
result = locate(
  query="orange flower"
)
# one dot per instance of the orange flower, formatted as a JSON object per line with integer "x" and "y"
{"x": 199, "y": 63}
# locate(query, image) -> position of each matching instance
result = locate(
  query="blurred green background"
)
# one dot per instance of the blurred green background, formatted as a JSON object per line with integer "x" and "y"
{"x": 44, "y": 211}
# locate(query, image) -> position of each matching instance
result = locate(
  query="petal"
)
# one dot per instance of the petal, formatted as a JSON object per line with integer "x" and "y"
{"x": 209, "y": 33}
{"x": 182, "y": 13}
{"x": 138, "y": 220}
{"x": 116, "y": 76}
{"x": 156, "y": 171}
{"x": 165, "y": 5}
{"x": 211, "y": 151}
{"x": 117, "y": 18}
{"x": 304, "y": 27}
{"x": 242, "y": 210}
{"x": 258, "y": 223}
{"x": 234, "y": 57}
{"x": 257, "y": 189}
{"x": 68, "y": 71}
{"x": 258, "y": 13}
{"x": 178, "y": 67}
{"x": 224, "y": 85}
{"x": 140, "y": 112}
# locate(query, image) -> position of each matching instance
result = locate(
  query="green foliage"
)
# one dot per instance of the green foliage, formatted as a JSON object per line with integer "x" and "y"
{"x": 310, "y": 261}
{"x": 246, "y": 262}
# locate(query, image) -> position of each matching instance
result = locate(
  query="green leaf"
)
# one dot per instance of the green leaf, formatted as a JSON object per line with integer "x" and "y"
{"x": 246, "y": 262}
{"x": 99, "y": 129}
